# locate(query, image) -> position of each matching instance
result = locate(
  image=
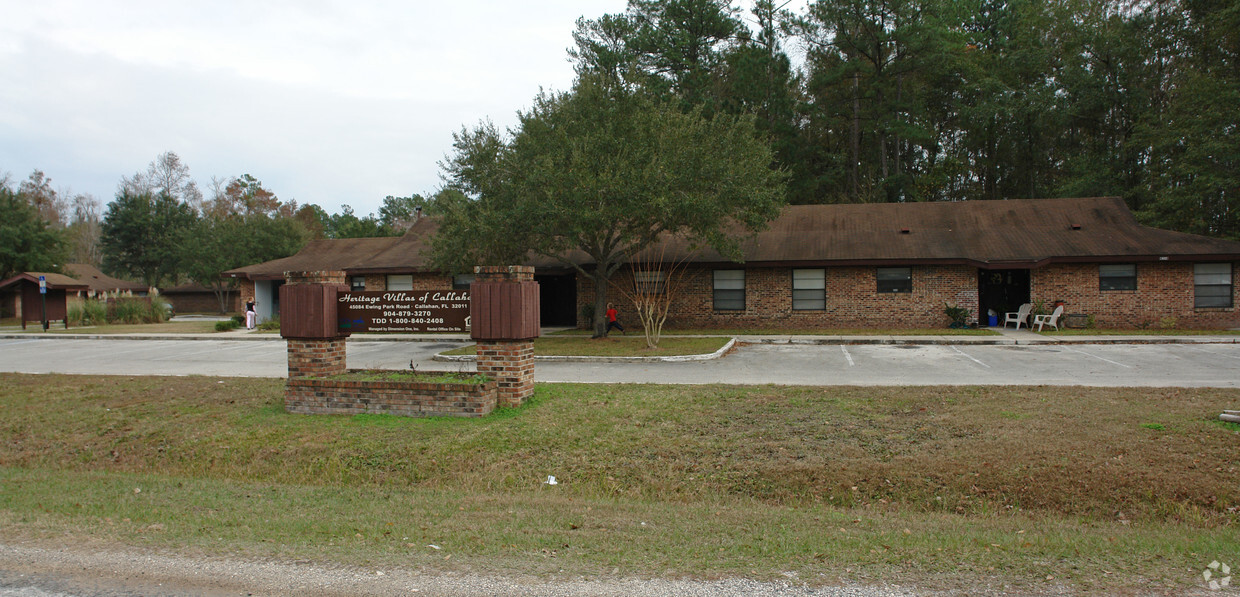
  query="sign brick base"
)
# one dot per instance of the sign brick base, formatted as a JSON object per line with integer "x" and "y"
{"x": 511, "y": 364}
{"x": 316, "y": 357}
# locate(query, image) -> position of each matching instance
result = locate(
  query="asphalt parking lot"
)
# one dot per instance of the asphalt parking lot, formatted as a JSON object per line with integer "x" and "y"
{"x": 1152, "y": 365}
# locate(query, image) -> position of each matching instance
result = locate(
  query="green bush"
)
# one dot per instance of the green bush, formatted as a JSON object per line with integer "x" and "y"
{"x": 272, "y": 324}
{"x": 958, "y": 315}
{"x": 122, "y": 309}
{"x": 128, "y": 310}
{"x": 226, "y": 326}
{"x": 238, "y": 320}
{"x": 161, "y": 309}
{"x": 87, "y": 312}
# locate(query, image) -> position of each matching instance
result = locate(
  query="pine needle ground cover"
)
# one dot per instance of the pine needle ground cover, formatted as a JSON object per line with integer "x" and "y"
{"x": 1096, "y": 490}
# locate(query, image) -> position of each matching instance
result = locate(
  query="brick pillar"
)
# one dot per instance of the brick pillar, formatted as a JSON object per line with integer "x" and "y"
{"x": 504, "y": 306}
{"x": 308, "y": 323}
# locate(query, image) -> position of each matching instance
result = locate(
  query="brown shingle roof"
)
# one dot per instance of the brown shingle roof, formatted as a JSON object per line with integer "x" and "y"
{"x": 1016, "y": 233}
{"x": 322, "y": 254}
{"x": 1011, "y": 233}
{"x": 98, "y": 281}
{"x": 54, "y": 281}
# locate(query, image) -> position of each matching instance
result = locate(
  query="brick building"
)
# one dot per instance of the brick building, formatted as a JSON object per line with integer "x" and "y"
{"x": 870, "y": 265}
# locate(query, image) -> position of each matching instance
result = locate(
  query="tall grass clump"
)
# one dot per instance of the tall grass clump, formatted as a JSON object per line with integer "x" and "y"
{"x": 128, "y": 310}
{"x": 119, "y": 309}
{"x": 87, "y": 312}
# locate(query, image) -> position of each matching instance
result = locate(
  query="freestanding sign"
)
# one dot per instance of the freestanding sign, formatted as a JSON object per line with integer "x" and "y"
{"x": 43, "y": 297}
{"x": 404, "y": 311}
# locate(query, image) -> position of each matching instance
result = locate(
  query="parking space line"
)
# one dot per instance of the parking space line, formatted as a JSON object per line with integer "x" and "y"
{"x": 1097, "y": 357}
{"x": 958, "y": 351}
{"x": 847, "y": 356}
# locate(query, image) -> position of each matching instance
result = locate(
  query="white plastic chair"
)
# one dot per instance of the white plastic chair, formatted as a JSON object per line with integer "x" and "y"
{"x": 1020, "y": 316}
{"x": 1051, "y": 320}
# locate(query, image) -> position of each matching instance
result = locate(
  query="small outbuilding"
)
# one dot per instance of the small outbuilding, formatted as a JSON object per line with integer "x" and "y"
{"x": 29, "y": 304}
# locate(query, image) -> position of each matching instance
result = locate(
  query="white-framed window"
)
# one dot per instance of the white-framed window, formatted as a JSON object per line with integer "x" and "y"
{"x": 400, "y": 282}
{"x": 649, "y": 282}
{"x": 1117, "y": 277}
{"x": 357, "y": 283}
{"x": 1212, "y": 285}
{"x": 729, "y": 290}
{"x": 809, "y": 289}
{"x": 894, "y": 279}
{"x": 462, "y": 281}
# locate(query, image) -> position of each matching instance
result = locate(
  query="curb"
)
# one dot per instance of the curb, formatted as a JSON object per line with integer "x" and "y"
{"x": 685, "y": 358}
{"x": 743, "y": 340}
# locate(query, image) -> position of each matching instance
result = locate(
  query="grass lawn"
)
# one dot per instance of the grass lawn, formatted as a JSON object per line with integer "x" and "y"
{"x": 806, "y": 332}
{"x": 1029, "y": 488}
{"x": 615, "y": 346}
{"x": 172, "y": 327}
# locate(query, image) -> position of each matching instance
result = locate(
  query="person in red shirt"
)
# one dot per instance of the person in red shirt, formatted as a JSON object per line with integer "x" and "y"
{"x": 611, "y": 319}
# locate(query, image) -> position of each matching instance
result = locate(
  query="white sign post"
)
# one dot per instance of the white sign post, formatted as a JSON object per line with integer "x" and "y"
{"x": 43, "y": 296}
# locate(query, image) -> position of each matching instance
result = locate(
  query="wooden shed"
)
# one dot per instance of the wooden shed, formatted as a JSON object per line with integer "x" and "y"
{"x": 29, "y": 303}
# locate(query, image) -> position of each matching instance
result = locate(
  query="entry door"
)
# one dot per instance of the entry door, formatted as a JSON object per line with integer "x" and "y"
{"x": 1001, "y": 290}
{"x": 557, "y": 296}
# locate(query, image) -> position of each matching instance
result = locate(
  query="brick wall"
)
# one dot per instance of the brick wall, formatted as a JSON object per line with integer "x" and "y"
{"x": 245, "y": 290}
{"x": 511, "y": 364}
{"x": 318, "y": 357}
{"x": 204, "y": 302}
{"x": 1164, "y": 295}
{"x": 852, "y": 299}
{"x": 405, "y": 398}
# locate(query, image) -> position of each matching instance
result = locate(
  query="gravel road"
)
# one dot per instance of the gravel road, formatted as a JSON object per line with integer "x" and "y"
{"x": 27, "y": 571}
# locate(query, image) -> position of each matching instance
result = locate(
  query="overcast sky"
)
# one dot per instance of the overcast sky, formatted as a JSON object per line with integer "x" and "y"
{"x": 324, "y": 101}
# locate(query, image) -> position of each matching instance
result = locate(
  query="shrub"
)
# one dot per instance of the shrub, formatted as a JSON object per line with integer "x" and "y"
{"x": 161, "y": 309}
{"x": 238, "y": 320}
{"x": 87, "y": 312}
{"x": 272, "y": 324}
{"x": 958, "y": 315}
{"x": 225, "y": 326}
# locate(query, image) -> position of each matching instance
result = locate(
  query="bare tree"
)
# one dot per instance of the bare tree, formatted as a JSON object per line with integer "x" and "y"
{"x": 37, "y": 191}
{"x": 657, "y": 284}
{"x": 165, "y": 174}
{"x": 86, "y": 230}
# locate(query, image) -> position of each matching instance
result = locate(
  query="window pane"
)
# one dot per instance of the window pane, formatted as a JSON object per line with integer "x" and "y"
{"x": 1117, "y": 277}
{"x": 1117, "y": 271}
{"x": 649, "y": 282}
{"x": 400, "y": 282}
{"x": 462, "y": 281}
{"x": 809, "y": 278}
{"x": 1212, "y": 268}
{"x": 730, "y": 289}
{"x": 1206, "y": 301}
{"x": 1212, "y": 284}
{"x": 730, "y": 279}
{"x": 808, "y": 300}
{"x": 730, "y": 300}
{"x": 357, "y": 283}
{"x": 895, "y": 279}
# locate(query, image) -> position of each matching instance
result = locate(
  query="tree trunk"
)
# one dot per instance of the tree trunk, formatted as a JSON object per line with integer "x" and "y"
{"x": 855, "y": 161}
{"x": 600, "y": 302}
{"x": 221, "y": 296}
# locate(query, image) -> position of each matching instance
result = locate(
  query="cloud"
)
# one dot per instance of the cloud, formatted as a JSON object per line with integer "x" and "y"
{"x": 326, "y": 102}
